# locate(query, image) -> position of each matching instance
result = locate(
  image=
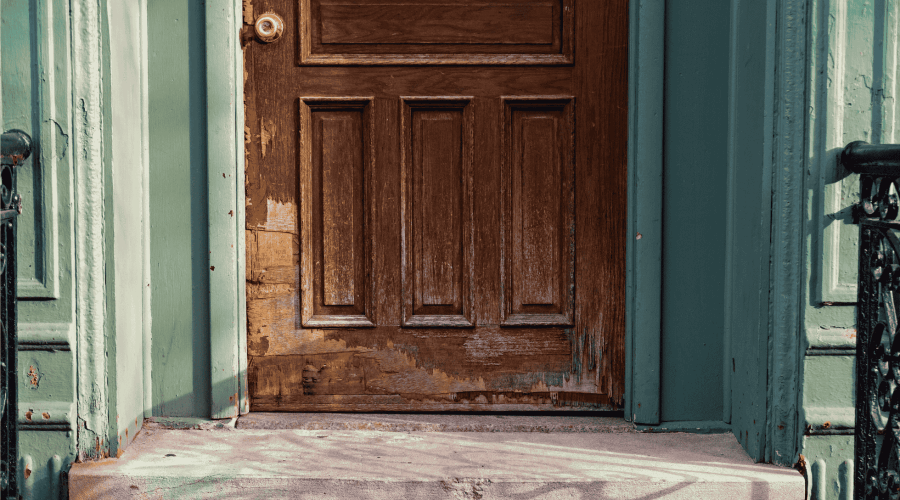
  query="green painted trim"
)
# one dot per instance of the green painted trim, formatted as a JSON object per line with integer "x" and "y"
{"x": 224, "y": 157}
{"x": 645, "y": 180}
{"x": 789, "y": 167}
{"x": 730, "y": 212}
{"x": 90, "y": 287}
{"x": 147, "y": 290}
{"x": 240, "y": 219}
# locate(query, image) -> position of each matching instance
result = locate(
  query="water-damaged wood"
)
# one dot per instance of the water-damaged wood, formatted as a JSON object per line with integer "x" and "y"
{"x": 432, "y": 237}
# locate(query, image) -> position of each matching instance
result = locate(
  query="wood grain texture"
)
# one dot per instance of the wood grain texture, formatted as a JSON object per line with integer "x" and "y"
{"x": 442, "y": 23}
{"x": 336, "y": 156}
{"x": 432, "y": 208}
{"x": 436, "y": 178}
{"x": 430, "y": 32}
{"x": 538, "y": 217}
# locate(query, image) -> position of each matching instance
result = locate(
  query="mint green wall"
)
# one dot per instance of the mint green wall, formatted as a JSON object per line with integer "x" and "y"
{"x": 696, "y": 91}
{"x": 178, "y": 211}
{"x": 852, "y": 96}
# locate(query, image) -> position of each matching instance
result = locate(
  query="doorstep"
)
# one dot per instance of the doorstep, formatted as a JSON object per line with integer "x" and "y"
{"x": 428, "y": 456}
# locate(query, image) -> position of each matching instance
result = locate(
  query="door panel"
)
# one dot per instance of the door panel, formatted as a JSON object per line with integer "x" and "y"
{"x": 436, "y": 177}
{"x": 429, "y": 32}
{"x": 336, "y": 160}
{"x": 432, "y": 237}
{"x": 538, "y": 229}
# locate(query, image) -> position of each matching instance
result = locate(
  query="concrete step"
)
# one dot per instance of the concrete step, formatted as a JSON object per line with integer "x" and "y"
{"x": 329, "y": 463}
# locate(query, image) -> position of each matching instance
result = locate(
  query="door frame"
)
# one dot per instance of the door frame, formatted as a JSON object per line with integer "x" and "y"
{"x": 225, "y": 146}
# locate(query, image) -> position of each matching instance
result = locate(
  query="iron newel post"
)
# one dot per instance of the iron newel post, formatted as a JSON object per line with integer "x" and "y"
{"x": 877, "y": 441}
{"x": 15, "y": 148}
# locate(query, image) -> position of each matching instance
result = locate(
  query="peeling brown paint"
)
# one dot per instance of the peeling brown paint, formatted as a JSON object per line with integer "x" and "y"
{"x": 28, "y": 415}
{"x": 248, "y": 11}
{"x": 45, "y": 415}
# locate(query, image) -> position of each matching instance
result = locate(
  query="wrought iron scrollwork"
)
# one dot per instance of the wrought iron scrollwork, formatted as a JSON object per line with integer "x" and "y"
{"x": 15, "y": 147}
{"x": 877, "y": 441}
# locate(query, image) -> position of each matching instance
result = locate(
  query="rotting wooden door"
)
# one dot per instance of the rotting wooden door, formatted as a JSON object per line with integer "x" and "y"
{"x": 436, "y": 205}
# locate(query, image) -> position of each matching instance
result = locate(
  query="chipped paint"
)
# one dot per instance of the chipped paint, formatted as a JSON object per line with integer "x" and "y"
{"x": 247, "y": 11}
{"x": 280, "y": 216}
{"x": 266, "y": 135}
{"x": 34, "y": 377}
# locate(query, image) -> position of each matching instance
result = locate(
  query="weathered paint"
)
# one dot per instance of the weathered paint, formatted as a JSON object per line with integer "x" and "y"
{"x": 90, "y": 286}
{"x": 748, "y": 220}
{"x": 223, "y": 92}
{"x": 852, "y": 68}
{"x": 37, "y": 97}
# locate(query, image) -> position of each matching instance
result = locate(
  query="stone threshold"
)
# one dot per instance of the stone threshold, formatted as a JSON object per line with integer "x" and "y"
{"x": 381, "y": 456}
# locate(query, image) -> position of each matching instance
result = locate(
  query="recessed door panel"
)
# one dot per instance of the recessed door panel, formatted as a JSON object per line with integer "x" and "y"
{"x": 428, "y": 32}
{"x": 437, "y": 212}
{"x": 538, "y": 227}
{"x": 336, "y": 155}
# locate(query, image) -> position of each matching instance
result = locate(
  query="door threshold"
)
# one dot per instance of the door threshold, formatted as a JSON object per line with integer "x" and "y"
{"x": 439, "y": 422}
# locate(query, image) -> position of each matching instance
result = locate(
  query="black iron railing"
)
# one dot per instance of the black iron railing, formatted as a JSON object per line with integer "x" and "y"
{"x": 877, "y": 450}
{"x": 15, "y": 147}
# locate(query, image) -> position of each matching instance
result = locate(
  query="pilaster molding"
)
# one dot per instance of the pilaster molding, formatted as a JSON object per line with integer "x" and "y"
{"x": 787, "y": 271}
{"x": 644, "y": 234}
{"x": 90, "y": 285}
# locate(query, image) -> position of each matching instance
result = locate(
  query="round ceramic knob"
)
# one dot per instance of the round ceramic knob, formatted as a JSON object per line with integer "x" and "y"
{"x": 269, "y": 27}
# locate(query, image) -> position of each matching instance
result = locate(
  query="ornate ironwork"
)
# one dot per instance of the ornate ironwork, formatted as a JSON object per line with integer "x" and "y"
{"x": 877, "y": 450}
{"x": 15, "y": 147}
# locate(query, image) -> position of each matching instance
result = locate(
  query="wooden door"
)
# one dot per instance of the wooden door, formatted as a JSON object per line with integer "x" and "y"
{"x": 436, "y": 205}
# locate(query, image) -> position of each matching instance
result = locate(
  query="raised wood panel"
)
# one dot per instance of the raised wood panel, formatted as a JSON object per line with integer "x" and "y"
{"x": 336, "y": 155}
{"x": 538, "y": 215}
{"x": 437, "y": 211}
{"x": 429, "y": 32}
